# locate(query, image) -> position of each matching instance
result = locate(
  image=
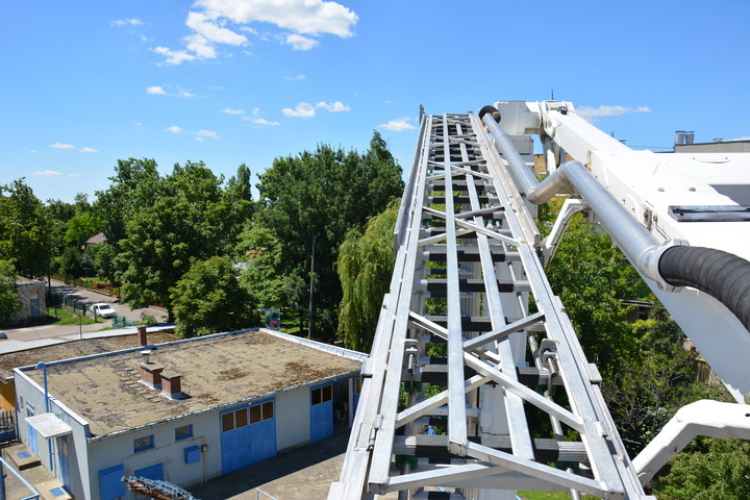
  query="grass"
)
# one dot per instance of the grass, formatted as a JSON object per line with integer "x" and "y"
{"x": 68, "y": 318}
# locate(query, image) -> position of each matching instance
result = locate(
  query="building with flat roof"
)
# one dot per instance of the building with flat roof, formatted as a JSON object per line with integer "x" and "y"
{"x": 182, "y": 412}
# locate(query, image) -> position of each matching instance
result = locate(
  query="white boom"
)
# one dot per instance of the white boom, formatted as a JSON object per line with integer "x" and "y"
{"x": 468, "y": 257}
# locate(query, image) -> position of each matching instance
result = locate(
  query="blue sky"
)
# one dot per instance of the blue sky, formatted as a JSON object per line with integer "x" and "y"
{"x": 85, "y": 83}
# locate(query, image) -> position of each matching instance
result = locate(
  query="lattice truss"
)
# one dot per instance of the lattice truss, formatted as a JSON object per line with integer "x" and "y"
{"x": 468, "y": 422}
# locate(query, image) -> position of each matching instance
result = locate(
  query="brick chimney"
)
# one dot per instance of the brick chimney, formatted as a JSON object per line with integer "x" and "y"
{"x": 142, "y": 336}
{"x": 151, "y": 375}
{"x": 171, "y": 385}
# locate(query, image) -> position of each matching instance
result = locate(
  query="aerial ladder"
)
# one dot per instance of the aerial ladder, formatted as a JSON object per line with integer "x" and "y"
{"x": 468, "y": 255}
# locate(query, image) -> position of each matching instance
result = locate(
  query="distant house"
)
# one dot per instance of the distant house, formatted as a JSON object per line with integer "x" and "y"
{"x": 33, "y": 300}
{"x": 185, "y": 411}
{"x": 96, "y": 239}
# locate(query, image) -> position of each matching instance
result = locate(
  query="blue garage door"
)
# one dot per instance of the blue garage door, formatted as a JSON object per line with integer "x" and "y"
{"x": 155, "y": 471}
{"x": 321, "y": 412}
{"x": 248, "y": 435}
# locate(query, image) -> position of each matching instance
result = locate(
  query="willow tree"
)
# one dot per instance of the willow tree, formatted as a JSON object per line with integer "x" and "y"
{"x": 365, "y": 266}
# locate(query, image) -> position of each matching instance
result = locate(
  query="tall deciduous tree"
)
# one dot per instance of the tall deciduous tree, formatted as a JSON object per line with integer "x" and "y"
{"x": 365, "y": 266}
{"x": 209, "y": 298}
{"x": 24, "y": 230}
{"x": 319, "y": 197}
{"x": 191, "y": 218}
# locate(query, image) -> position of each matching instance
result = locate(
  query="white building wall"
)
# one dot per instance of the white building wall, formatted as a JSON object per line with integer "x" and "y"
{"x": 27, "y": 391}
{"x": 119, "y": 449}
{"x": 292, "y": 418}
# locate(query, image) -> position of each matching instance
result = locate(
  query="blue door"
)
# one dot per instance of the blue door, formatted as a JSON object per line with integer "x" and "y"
{"x": 63, "y": 459}
{"x": 321, "y": 412}
{"x": 155, "y": 471}
{"x": 248, "y": 435}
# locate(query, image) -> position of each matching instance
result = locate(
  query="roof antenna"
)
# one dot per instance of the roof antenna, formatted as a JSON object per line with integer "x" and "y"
{"x": 553, "y": 94}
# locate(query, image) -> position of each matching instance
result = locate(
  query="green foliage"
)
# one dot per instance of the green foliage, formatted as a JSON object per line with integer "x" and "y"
{"x": 189, "y": 218}
{"x": 323, "y": 195}
{"x": 591, "y": 276}
{"x": 261, "y": 250}
{"x": 9, "y": 302}
{"x": 365, "y": 267}
{"x": 70, "y": 263}
{"x": 81, "y": 228}
{"x": 708, "y": 469}
{"x": 210, "y": 299}
{"x": 24, "y": 228}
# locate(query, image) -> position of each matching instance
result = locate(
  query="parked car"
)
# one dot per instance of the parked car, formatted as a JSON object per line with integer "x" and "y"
{"x": 102, "y": 310}
{"x": 3, "y": 336}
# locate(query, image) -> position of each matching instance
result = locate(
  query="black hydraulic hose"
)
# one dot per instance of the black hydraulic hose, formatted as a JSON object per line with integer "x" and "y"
{"x": 722, "y": 275}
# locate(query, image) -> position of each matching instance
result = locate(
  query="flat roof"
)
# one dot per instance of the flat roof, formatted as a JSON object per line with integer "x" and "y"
{"x": 106, "y": 390}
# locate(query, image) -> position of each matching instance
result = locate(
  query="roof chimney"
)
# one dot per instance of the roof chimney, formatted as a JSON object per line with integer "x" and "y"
{"x": 172, "y": 385}
{"x": 142, "y": 336}
{"x": 151, "y": 373}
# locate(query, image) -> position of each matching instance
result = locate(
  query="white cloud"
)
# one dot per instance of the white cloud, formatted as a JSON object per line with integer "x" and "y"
{"x": 299, "y": 42}
{"x": 200, "y": 135}
{"x": 156, "y": 90}
{"x": 207, "y": 133}
{"x": 88, "y": 150}
{"x": 202, "y": 47}
{"x": 592, "y": 114}
{"x": 295, "y": 78}
{"x": 74, "y": 175}
{"x": 33, "y": 151}
{"x": 334, "y": 107}
{"x": 398, "y": 125}
{"x": 312, "y": 17}
{"x": 212, "y": 31}
{"x": 59, "y": 145}
{"x": 261, "y": 121}
{"x": 47, "y": 173}
{"x": 307, "y": 110}
{"x": 129, "y": 21}
{"x": 186, "y": 94}
{"x": 233, "y": 111}
{"x": 303, "y": 110}
{"x": 174, "y": 57}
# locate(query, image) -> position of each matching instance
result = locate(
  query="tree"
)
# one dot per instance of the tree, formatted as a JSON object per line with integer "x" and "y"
{"x": 319, "y": 197}
{"x": 592, "y": 277}
{"x": 24, "y": 230}
{"x": 365, "y": 266}
{"x": 9, "y": 302}
{"x": 708, "y": 469}
{"x": 80, "y": 228}
{"x": 134, "y": 185}
{"x": 189, "y": 219}
{"x": 209, "y": 299}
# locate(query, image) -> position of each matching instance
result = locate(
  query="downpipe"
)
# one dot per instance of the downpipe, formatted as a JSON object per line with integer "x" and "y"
{"x": 724, "y": 276}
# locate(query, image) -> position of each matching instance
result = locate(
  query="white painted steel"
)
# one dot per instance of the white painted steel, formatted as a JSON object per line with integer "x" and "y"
{"x": 480, "y": 232}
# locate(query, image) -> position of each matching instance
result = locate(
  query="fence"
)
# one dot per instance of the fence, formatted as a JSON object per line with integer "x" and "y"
{"x": 7, "y": 426}
{"x": 121, "y": 322}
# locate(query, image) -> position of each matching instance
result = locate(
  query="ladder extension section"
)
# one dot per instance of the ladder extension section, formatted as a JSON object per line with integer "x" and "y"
{"x": 448, "y": 397}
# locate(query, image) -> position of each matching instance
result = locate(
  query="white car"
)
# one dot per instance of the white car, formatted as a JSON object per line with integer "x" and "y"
{"x": 102, "y": 310}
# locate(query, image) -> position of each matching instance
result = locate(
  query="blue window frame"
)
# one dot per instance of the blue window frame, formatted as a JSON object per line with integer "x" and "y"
{"x": 143, "y": 443}
{"x": 184, "y": 432}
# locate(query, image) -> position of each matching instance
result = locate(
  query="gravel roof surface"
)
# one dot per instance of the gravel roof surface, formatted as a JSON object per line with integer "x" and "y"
{"x": 107, "y": 392}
